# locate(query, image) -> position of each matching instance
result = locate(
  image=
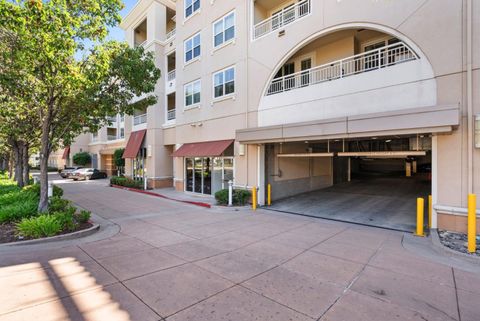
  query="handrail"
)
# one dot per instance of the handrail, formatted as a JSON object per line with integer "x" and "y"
{"x": 366, "y": 61}
{"x": 139, "y": 119}
{"x": 283, "y": 18}
{"x": 171, "y": 115}
{"x": 171, "y": 75}
{"x": 171, "y": 33}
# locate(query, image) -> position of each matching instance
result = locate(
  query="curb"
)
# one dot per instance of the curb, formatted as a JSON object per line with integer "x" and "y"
{"x": 62, "y": 237}
{"x": 438, "y": 244}
{"x": 201, "y": 204}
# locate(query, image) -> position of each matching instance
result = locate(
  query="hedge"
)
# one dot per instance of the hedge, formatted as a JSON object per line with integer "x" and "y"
{"x": 239, "y": 197}
{"x": 126, "y": 182}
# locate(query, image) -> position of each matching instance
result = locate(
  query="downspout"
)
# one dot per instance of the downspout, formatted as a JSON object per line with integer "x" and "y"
{"x": 470, "y": 127}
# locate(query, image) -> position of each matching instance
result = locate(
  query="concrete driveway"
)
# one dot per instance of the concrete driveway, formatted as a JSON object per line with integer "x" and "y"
{"x": 156, "y": 259}
{"x": 387, "y": 201}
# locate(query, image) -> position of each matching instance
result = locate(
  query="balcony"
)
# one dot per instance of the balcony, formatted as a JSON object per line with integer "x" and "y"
{"x": 112, "y": 137}
{"x": 285, "y": 17}
{"x": 171, "y": 75}
{"x": 171, "y": 34}
{"x": 364, "y": 62}
{"x": 171, "y": 114}
{"x": 139, "y": 119}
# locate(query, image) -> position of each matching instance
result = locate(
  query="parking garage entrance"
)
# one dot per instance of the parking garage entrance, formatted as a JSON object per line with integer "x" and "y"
{"x": 372, "y": 181}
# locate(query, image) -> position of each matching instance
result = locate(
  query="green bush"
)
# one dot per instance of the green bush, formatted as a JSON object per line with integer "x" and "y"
{"x": 127, "y": 182}
{"x": 82, "y": 158}
{"x": 39, "y": 226}
{"x": 239, "y": 197}
{"x": 83, "y": 216}
{"x": 35, "y": 188}
{"x": 66, "y": 219}
{"x": 57, "y": 204}
{"x": 17, "y": 211}
{"x": 118, "y": 159}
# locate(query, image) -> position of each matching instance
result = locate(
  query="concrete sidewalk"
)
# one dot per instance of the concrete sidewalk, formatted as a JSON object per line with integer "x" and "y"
{"x": 172, "y": 261}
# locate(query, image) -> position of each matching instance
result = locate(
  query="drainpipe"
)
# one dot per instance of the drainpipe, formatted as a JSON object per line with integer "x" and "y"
{"x": 470, "y": 127}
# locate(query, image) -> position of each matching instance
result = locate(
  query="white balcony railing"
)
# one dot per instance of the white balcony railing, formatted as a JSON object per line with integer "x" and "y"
{"x": 171, "y": 75}
{"x": 171, "y": 33}
{"x": 375, "y": 59}
{"x": 171, "y": 114}
{"x": 139, "y": 119}
{"x": 283, "y": 18}
{"x": 112, "y": 137}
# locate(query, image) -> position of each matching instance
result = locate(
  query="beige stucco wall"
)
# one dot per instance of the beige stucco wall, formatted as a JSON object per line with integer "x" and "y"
{"x": 436, "y": 30}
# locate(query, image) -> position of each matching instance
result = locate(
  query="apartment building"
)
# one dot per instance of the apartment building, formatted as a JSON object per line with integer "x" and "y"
{"x": 100, "y": 145}
{"x": 311, "y": 94}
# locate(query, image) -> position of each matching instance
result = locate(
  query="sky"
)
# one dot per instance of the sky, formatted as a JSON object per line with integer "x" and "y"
{"x": 117, "y": 33}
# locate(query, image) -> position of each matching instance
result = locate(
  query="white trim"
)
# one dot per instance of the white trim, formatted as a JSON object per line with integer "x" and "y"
{"x": 232, "y": 96}
{"x": 214, "y": 99}
{"x": 434, "y": 180}
{"x": 222, "y": 18}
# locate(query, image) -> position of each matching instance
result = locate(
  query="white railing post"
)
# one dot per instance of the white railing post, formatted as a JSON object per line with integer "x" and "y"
{"x": 230, "y": 193}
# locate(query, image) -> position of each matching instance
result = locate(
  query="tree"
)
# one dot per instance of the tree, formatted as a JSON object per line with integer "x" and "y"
{"x": 118, "y": 159}
{"x": 82, "y": 158}
{"x": 67, "y": 95}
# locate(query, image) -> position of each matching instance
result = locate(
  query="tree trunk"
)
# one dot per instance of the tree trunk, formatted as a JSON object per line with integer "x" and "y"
{"x": 44, "y": 154}
{"x": 18, "y": 159}
{"x": 10, "y": 166}
{"x": 26, "y": 167}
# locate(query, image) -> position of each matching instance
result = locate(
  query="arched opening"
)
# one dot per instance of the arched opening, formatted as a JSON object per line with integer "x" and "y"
{"x": 338, "y": 55}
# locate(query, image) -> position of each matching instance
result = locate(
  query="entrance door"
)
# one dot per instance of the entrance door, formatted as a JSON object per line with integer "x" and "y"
{"x": 198, "y": 167}
{"x": 189, "y": 174}
{"x": 207, "y": 175}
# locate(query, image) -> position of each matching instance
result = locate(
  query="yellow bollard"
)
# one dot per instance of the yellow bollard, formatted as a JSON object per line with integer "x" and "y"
{"x": 420, "y": 213}
{"x": 430, "y": 209}
{"x": 472, "y": 222}
{"x": 254, "y": 198}
{"x": 269, "y": 194}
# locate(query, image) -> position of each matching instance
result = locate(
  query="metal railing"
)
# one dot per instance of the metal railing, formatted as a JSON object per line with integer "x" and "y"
{"x": 139, "y": 119}
{"x": 112, "y": 137}
{"x": 171, "y": 75}
{"x": 112, "y": 119}
{"x": 171, "y": 114}
{"x": 375, "y": 59}
{"x": 283, "y": 18}
{"x": 171, "y": 33}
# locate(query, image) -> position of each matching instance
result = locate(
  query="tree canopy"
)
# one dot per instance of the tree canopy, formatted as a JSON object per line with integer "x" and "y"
{"x": 41, "y": 78}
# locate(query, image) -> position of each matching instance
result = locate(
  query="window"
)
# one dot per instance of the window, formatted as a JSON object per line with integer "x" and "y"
{"x": 224, "y": 29}
{"x": 224, "y": 82}
{"x": 192, "y": 47}
{"x": 192, "y": 93}
{"x": 122, "y": 132}
{"x": 191, "y": 6}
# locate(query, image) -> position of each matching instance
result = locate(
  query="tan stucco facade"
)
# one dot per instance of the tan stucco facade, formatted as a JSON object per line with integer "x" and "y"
{"x": 435, "y": 94}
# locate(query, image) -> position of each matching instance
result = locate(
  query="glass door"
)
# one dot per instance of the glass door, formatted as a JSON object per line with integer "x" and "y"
{"x": 189, "y": 174}
{"x": 198, "y": 168}
{"x": 207, "y": 175}
{"x": 227, "y": 171}
{"x": 306, "y": 65}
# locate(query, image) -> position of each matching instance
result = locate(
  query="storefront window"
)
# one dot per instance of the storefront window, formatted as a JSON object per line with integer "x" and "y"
{"x": 207, "y": 175}
{"x": 139, "y": 164}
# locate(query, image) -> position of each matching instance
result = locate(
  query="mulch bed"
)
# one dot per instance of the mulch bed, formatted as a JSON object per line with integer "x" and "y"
{"x": 457, "y": 242}
{"x": 7, "y": 232}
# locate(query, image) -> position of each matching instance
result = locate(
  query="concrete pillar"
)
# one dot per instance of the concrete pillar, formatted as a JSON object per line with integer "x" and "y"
{"x": 261, "y": 174}
{"x": 408, "y": 169}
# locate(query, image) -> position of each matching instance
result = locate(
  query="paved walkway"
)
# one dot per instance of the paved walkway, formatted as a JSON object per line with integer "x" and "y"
{"x": 156, "y": 259}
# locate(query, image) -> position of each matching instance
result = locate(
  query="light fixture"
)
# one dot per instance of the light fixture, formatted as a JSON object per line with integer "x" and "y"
{"x": 374, "y": 138}
{"x": 388, "y": 141}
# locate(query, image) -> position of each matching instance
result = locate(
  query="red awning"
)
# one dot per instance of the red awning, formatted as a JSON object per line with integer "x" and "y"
{"x": 66, "y": 152}
{"x": 134, "y": 143}
{"x": 204, "y": 149}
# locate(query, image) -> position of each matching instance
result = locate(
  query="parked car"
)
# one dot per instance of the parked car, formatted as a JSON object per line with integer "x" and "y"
{"x": 68, "y": 171}
{"x": 87, "y": 174}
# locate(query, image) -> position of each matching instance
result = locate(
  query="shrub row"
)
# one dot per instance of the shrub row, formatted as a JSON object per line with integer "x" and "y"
{"x": 62, "y": 217}
{"x": 239, "y": 197}
{"x": 127, "y": 182}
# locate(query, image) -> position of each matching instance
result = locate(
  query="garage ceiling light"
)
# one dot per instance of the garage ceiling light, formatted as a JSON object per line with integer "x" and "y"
{"x": 388, "y": 141}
